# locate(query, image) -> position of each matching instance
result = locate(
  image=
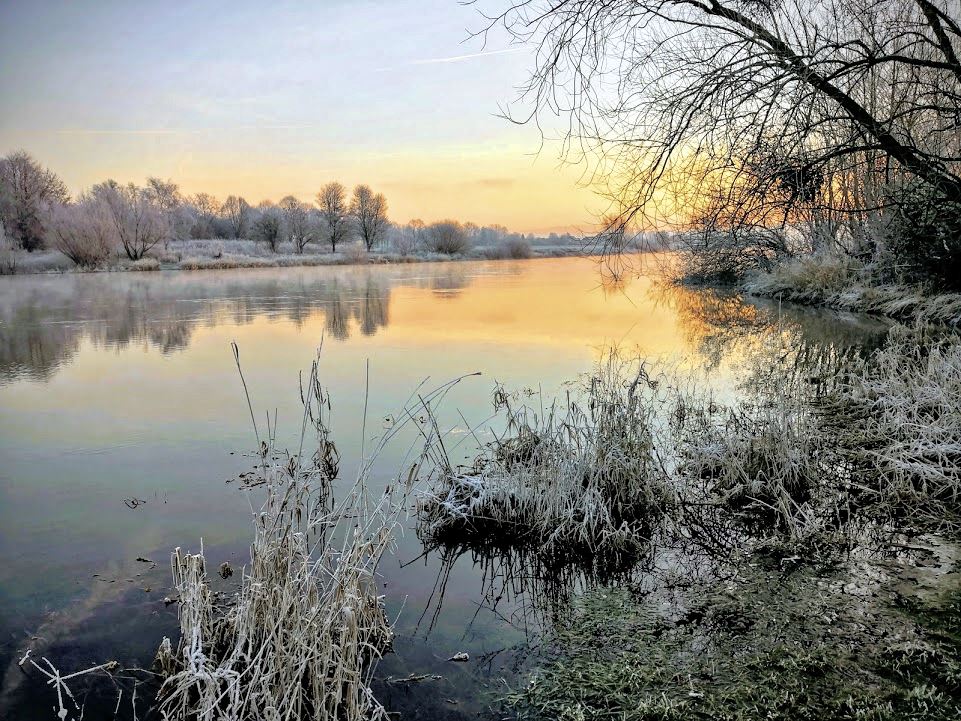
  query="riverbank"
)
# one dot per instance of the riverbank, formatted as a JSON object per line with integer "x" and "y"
{"x": 822, "y": 282}
{"x": 827, "y": 281}
{"x": 809, "y": 539}
{"x": 240, "y": 254}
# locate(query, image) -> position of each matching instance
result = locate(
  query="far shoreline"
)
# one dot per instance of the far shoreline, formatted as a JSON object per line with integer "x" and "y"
{"x": 46, "y": 263}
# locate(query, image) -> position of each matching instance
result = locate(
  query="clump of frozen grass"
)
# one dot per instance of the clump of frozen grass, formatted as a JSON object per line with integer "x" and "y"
{"x": 898, "y": 417}
{"x": 578, "y": 481}
{"x": 307, "y": 626}
{"x": 143, "y": 264}
{"x": 226, "y": 262}
{"x": 846, "y": 285}
{"x": 41, "y": 261}
{"x": 764, "y": 461}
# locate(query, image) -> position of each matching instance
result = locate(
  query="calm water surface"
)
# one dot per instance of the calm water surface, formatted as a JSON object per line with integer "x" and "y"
{"x": 122, "y": 387}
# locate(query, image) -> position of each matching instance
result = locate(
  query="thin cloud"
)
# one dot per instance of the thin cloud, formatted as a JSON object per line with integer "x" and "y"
{"x": 182, "y": 131}
{"x": 121, "y": 131}
{"x": 453, "y": 58}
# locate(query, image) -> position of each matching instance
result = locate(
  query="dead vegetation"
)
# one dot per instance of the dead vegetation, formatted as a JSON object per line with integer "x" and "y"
{"x": 807, "y": 457}
{"x": 897, "y": 421}
{"x": 303, "y": 634}
{"x": 581, "y": 479}
{"x": 848, "y": 286}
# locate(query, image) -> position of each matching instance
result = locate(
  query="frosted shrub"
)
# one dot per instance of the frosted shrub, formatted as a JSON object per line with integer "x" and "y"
{"x": 84, "y": 232}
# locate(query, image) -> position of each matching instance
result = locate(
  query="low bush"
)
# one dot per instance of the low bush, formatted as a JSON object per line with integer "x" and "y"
{"x": 144, "y": 264}
{"x": 510, "y": 248}
{"x": 448, "y": 237}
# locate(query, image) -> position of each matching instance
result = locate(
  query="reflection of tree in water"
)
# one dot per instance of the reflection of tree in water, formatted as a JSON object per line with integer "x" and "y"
{"x": 44, "y": 320}
{"x": 449, "y": 282}
{"x": 718, "y": 324}
{"x": 337, "y": 317}
{"x": 373, "y": 307}
{"x": 34, "y": 344}
{"x": 367, "y": 304}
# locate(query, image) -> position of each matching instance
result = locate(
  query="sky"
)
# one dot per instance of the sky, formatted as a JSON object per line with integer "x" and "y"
{"x": 269, "y": 99}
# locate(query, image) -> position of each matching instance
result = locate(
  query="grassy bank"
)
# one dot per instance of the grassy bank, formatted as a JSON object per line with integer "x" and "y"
{"x": 828, "y": 279}
{"x": 795, "y": 553}
{"x": 242, "y": 254}
{"x": 845, "y": 285}
{"x": 765, "y": 645}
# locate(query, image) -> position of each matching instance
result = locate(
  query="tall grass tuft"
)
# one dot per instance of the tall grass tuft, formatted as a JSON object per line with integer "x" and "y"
{"x": 576, "y": 481}
{"x": 897, "y": 419}
{"x": 764, "y": 462}
{"x": 303, "y": 634}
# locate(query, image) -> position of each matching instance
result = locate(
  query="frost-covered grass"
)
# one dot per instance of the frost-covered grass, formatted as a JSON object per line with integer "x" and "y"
{"x": 303, "y": 633}
{"x": 219, "y": 254}
{"x": 764, "y": 461}
{"x": 761, "y": 645}
{"x": 803, "y": 460}
{"x": 897, "y": 420}
{"x": 578, "y": 480}
{"x": 41, "y": 261}
{"x": 843, "y": 284}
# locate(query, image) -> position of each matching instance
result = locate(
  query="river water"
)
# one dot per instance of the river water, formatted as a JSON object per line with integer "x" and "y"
{"x": 122, "y": 419}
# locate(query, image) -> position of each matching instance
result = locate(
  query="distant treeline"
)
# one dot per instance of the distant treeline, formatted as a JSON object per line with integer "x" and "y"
{"x": 111, "y": 219}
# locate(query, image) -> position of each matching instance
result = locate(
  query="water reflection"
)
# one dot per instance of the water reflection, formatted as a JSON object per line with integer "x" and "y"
{"x": 43, "y": 321}
{"x": 719, "y": 324}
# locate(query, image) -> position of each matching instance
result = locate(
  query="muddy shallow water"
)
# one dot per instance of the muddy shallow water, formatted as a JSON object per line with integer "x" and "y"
{"x": 122, "y": 419}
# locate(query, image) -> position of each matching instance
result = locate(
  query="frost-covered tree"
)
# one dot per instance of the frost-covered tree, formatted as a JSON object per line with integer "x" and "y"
{"x": 332, "y": 201}
{"x": 447, "y": 236}
{"x": 268, "y": 227}
{"x": 26, "y": 191}
{"x": 235, "y": 212}
{"x": 297, "y": 222}
{"x": 83, "y": 231}
{"x": 205, "y": 207}
{"x": 165, "y": 194}
{"x": 370, "y": 215}
{"x": 138, "y": 222}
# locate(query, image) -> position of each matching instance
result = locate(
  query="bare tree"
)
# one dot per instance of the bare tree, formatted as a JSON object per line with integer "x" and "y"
{"x": 84, "y": 231}
{"x": 447, "y": 236}
{"x": 405, "y": 239}
{"x": 165, "y": 194}
{"x": 370, "y": 215}
{"x": 297, "y": 222}
{"x": 236, "y": 212}
{"x": 205, "y": 206}
{"x": 743, "y": 117}
{"x": 268, "y": 227}
{"x": 332, "y": 201}
{"x": 138, "y": 223}
{"x": 26, "y": 189}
